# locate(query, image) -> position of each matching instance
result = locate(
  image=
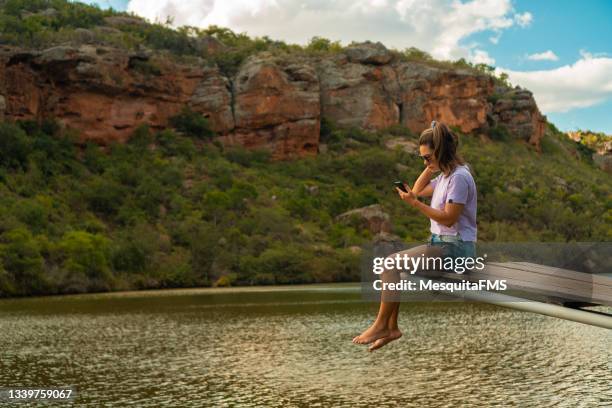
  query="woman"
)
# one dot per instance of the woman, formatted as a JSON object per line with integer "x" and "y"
{"x": 452, "y": 214}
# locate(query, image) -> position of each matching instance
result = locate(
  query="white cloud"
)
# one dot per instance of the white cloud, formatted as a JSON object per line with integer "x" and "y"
{"x": 523, "y": 19}
{"x": 543, "y": 56}
{"x": 587, "y": 55}
{"x": 481, "y": 57}
{"x": 439, "y": 27}
{"x": 585, "y": 83}
{"x": 495, "y": 39}
{"x": 436, "y": 26}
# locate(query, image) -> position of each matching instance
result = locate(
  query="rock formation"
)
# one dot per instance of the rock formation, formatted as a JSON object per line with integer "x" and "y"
{"x": 276, "y": 105}
{"x": 517, "y": 111}
{"x": 103, "y": 92}
{"x": 273, "y": 102}
{"x": 599, "y": 143}
{"x": 371, "y": 217}
{"x": 603, "y": 156}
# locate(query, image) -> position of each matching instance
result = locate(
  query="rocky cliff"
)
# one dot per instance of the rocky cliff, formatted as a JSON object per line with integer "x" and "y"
{"x": 600, "y": 145}
{"x": 275, "y": 102}
{"x": 603, "y": 158}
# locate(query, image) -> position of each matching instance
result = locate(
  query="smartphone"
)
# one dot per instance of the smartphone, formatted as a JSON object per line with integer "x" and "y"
{"x": 400, "y": 185}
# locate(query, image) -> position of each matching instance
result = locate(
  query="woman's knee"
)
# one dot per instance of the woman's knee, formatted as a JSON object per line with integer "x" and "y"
{"x": 401, "y": 261}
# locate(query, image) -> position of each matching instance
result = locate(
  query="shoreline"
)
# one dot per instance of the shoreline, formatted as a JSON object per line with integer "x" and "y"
{"x": 197, "y": 290}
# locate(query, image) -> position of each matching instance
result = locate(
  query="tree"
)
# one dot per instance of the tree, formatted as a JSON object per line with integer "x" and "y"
{"x": 192, "y": 124}
{"x": 416, "y": 54}
{"x": 14, "y": 146}
{"x": 86, "y": 254}
{"x": 215, "y": 204}
{"x": 21, "y": 259}
{"x": 323, "y": 44}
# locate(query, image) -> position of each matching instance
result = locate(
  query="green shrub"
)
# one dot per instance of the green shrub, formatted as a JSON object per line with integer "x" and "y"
{"x": 142, "y": 137}
{"x": 399, "y": 130}
{"x": 414, "y": 54}
{"x": 362, "y": 135}
{"x": 224, "y": 281}
{"x": 320, "y": 44}
{"x": 192, "y": 124}
{"x": 22, "y": 263}
{"x": 86, "y": 254}
{"x": 145, "y": 67}
{"x": 289, "y": 264}
{"x": 215, "y": 204}
{"x": 34, "y": 212}
{"x": 15, "y": 146}
{"x": 135, "y": 249}
{"x": 247, "y": 157}
{"x": 104, "y": 196}
{"x": 53, "y": 151}
{"x": 174, "y": 269}
{"x": 493, "y": 98}
{"x": 204, "y": 247}
{"x": 371, "y": 166}
{"x": 172, "y": 145}
{"x": 500, "y": 134}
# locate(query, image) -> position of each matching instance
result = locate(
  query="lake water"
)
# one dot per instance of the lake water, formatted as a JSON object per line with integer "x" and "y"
{"x": 291, "y": 346}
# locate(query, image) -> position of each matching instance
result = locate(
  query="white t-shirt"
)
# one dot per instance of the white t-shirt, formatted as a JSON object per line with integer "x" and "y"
{"x": 458, "y": 187}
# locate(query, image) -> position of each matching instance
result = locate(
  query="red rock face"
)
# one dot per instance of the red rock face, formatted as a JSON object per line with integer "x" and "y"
{"x": 274, "y": 103}
{"x": 455, "y": 98}
{"x": 103, "y": 93}
{"x": 355, "y": 94}
{"x": 212, "y": 97}
{"x": 367, "y": 89}
{"x": 276, "y": 107}
{"x": 285, "y": 141}
{"x": 516, "y": 110}
{"x": 375, "y": 96}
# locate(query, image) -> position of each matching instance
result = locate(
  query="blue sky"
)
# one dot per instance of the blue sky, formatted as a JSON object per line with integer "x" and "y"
{"x": 560, "y": 50}
{"x": 565, "y": 27}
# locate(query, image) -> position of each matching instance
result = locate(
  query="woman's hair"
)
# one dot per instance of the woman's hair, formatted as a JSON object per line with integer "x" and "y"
{"x": 443, "y": 142}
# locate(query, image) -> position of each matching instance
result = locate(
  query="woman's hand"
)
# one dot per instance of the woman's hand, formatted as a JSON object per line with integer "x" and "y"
{"x": 408, "y": 197}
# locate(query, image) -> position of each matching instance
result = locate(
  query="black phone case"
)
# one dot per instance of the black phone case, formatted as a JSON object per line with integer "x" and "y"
{"x": 400, "y": 185}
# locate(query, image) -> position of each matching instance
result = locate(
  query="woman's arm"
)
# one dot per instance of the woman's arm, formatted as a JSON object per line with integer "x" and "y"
{"x": 422, "y": 186}
{"x": 457, "y": 196}
{"x": 427, "y": 191}
{"x": 447, "y": 217}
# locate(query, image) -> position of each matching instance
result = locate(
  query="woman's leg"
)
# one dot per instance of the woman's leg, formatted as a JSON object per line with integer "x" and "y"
{"x": 394, "y": 331}
{"x": 388, "y": 303}
{"x": 386, "y": 322}
{"x": 392, "y": 323}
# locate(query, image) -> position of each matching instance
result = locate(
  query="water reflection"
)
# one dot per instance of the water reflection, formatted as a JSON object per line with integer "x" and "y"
{"x": 292, "y": 347}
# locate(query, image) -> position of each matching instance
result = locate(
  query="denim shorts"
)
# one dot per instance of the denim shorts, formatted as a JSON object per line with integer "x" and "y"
{"x": 453, "y": 246}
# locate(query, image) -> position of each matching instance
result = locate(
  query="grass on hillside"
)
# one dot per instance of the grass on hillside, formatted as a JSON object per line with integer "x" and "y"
{"x": 170, "y": 209}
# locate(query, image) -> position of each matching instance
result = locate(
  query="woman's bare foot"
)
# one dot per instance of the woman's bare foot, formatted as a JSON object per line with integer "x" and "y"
{"x": 393, "y": 335}
{"x": 374, "y": 332}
